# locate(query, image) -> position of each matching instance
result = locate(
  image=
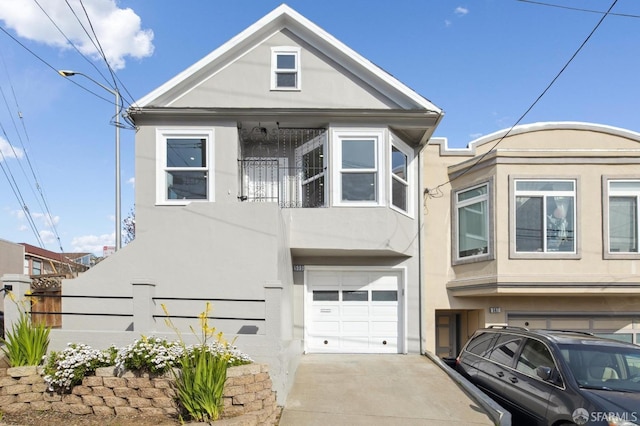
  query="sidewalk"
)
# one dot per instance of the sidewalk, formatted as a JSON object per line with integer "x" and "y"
{"x": 346, "y": 389}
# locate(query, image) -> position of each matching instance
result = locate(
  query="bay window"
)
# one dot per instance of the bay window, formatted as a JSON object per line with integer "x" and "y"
{"x": 401, "y": 159}
{"x": 358, "y": 168}
{"x": 472, "y": 218}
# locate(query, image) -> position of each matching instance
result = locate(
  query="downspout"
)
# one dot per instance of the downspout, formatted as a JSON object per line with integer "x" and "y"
{"x": 420, "y": 259}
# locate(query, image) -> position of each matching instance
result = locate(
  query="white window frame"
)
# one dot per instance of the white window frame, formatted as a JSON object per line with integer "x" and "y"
{"x": 161, "y": 158}
{"x": 607, "y": 194}
{"x": 315, "y": 143}
{"x": 337, "y": 137}
{"x": 285, "y": 50}
{"x": 35, "y": 262}
{"x": 397, "y": 143}
{"x": 455, "y": 209}
{"x": 545, "y": 253}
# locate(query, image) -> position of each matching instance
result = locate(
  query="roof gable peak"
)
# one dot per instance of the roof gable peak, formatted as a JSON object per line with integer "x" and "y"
{"x": 278, "y": 19}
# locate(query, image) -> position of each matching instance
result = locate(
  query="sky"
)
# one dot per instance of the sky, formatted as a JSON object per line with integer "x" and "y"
{"x": 484, "y": 62}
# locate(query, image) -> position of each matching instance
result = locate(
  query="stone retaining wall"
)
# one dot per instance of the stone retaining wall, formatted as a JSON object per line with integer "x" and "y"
{"x": 247, "y": 393}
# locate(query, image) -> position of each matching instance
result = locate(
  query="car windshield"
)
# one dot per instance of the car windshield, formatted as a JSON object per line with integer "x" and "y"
{"x": 604, "y": 367}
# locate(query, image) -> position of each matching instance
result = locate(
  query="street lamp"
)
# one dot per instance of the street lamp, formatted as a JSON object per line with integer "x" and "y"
{"x": 66, "y": 73}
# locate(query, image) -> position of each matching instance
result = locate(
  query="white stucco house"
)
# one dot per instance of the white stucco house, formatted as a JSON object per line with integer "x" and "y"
{"x": 278, "y": 178}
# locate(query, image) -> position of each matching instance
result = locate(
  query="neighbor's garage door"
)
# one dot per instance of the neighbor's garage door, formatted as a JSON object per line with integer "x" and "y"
{"x": 614, "y": 326}
{"x": 353, "y": 312}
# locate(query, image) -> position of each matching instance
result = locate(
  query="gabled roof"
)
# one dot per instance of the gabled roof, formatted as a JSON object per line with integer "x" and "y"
{"x": 280, "y": 18}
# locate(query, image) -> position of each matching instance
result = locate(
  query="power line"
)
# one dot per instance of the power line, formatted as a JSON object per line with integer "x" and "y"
{"x": 16, "y": 190}
{"x": 96, "y": 43}
{"x": 482, "y": 157}
{"x": 69, "y": 40}
{"x": 626, "y": 15}
{"x": 51, "y": 66}
{"x": 38, "y": 186}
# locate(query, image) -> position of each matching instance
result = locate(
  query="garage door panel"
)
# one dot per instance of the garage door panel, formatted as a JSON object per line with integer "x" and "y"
{"x": 326, "y": 311}
{"x": 384, "y": 311}
{"x": 354, "y": 279}
{"x": 328, "y": 327}
{"x": 604, "y": 324}
{"x": 355, "y": 328}
{"x": 355, "y": 310}
{"x": 384, "y": 328}
{"x": 325, "y": 343}
{"x": 384, "y": 344}
{"x": 570, "y": 324}
{"x": 354, "y": 342}
{"x": 380, "y": 281}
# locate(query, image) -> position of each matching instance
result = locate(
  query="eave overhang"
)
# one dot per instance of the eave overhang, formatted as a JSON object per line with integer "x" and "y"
{"x": 585, "y": 289}
{"x": 415, "y": 126}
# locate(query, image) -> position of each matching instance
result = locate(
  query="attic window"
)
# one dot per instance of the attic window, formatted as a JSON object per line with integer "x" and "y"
{"x": 285, "y": 68}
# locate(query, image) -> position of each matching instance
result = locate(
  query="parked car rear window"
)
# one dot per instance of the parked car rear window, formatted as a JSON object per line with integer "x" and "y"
{"x": 481, "y": 344}
{"x": 505, "y": 349}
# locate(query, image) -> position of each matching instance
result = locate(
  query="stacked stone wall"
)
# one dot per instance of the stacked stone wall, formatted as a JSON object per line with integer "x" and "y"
{"x": 248, "y": 396}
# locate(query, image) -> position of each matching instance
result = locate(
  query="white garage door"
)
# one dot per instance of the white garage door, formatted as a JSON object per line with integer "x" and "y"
{"x": 353, "y": 312}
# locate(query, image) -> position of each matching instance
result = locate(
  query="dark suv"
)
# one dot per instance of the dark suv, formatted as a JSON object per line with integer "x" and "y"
{"x": 555, "y": 377}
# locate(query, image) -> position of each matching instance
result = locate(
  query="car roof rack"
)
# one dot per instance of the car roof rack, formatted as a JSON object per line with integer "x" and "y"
{"x": 509, "y": 327}
{"x": 586, "y": 333}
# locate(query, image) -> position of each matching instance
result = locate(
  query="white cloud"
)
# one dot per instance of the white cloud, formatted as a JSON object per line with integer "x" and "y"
{"x": 132, "y": 182}
{"x": 447, "y": 23}
{"x": 47, "y": 237}
{"x": 9, "y": 151}
{"x": 46, "y": 219}
{"x": 461, "y": 11}
{"x": 475, "y": 136}
{"x": 118, "y": 30}
{"x": 92, "y": 243}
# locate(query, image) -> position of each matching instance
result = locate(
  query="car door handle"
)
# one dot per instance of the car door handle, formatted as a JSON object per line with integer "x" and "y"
{"x": 513, "y": 379}
{"x": 500, "y": 374}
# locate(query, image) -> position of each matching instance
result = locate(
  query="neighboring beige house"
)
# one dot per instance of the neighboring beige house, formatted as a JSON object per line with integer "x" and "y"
{"x": 537, "y": 228}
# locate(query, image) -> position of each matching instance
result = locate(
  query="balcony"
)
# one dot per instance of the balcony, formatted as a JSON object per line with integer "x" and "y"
{"x": 283, "y": 166}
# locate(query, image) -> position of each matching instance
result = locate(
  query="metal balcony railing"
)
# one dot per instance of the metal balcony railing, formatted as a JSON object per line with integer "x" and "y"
{"x": 284, "y": 166}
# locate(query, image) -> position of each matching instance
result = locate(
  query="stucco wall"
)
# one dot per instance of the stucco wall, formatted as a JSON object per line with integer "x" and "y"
{"x": 246, "y": 84}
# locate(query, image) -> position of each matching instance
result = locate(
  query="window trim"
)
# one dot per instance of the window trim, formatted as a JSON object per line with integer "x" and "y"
{"x": 299, "y": 153}
{"x": 606, "y": 195}
{"x": 162, "y": 134}
{"x": 490, "y": 255}
{"x": 33, "y": 268}
{"x": 513, "y": 254}
{"x": 287, "y": 50}
{"x": 337, "y": 137}
{"x": 400, "y": 145}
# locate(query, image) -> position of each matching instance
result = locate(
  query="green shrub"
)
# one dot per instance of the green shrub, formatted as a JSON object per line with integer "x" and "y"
{"x": 26, "y": 343}
{"x": 203, "y": 370}
{"x": 200, "y": 383}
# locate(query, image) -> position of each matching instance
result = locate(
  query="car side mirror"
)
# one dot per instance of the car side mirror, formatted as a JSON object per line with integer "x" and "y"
{"x": 544, "y": 373}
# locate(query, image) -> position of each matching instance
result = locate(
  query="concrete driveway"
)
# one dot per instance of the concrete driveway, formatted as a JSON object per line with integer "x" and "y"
{"x": 345, "y": 389}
